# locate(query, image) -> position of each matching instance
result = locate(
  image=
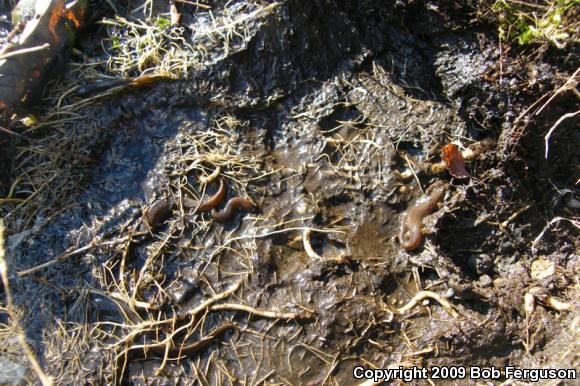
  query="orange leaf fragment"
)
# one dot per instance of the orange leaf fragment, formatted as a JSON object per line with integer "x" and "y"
{"x": 453, "y": 161}
{"x": 76, "y": 19}
{"x": 55, "y": 17}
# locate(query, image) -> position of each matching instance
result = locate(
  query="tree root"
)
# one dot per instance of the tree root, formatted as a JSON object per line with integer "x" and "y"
{"x": 422, "y": 295}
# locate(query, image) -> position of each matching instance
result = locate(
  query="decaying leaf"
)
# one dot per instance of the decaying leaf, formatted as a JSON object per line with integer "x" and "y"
{"x": 454, "y": 162}
{"x": 175, "y": 15}
{"x": 56, "y": 16}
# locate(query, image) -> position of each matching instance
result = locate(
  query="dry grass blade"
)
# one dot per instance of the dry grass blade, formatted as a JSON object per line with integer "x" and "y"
{"x": 44, "y": 379}
{"x": 551, "y": 131}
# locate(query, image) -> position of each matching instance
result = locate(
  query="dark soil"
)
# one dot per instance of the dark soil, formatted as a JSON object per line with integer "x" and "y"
{"x": 316, "y": 115}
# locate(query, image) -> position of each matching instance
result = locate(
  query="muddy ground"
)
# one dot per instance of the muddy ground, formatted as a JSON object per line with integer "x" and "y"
{"x": 330, "y": 117}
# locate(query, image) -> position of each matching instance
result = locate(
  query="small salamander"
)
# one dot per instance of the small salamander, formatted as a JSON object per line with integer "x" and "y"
{"x": 161, "y": 208}
{"x": 214, "y": 200}
{"x": 92, "y": 88}
{"x": 411, "y": 235}
{"x": 157, "y": 212}
{"x": 104, "y": 85}
{"x": 158, "y": 349}
{"x": 232, "y": 207}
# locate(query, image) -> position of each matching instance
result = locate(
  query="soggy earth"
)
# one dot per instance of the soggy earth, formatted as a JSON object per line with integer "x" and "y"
{"x": 331, "y": 119}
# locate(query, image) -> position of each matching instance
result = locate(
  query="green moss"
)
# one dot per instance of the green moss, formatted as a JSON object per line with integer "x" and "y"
{"x": 528, "y": 23}
{"x": 115, "y": 43}
{"x": 162, "y": 22}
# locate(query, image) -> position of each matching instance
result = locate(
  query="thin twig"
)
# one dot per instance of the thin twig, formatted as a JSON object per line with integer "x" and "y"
{"x": 414, "y": 174}
{"x": 24, "y": 51}
{"x": 570, "y": 84}
{"x": 60, "y": 258}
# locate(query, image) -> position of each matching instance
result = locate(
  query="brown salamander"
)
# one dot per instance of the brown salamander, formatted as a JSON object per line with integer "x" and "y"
{"x": 157, "y": 212}
{"x": 158, "y": 349}
{"x": 175, "y": 352}
{"x": 104, "y": 85}
{"x": 232, "y": 207}
{"x": 214, "y": 200}
{"x": 411, "y": 234}
{"x": 161, "y": 208}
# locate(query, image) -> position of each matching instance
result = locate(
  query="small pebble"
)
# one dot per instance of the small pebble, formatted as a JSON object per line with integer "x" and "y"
{"x": 485, "y": 280}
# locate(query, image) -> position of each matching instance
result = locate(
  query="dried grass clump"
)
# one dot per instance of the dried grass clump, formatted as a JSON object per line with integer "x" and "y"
{"x": 155, "y": 46}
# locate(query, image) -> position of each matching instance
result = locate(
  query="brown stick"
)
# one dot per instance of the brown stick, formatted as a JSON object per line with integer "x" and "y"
{"x": 62, "y": 257}
{"x": 24, "y": 51}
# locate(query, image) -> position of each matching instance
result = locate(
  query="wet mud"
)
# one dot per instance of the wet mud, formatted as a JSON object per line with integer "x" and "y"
{"x": 329, "y": 119}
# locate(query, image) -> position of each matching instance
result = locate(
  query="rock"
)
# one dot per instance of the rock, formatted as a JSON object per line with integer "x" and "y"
{"x": 542, "y": 269}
